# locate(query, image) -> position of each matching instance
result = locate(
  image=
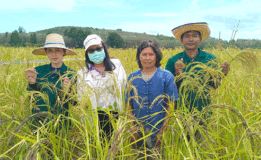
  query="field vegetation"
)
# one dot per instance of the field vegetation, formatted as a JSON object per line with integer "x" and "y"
{"x": 232, "y": 132}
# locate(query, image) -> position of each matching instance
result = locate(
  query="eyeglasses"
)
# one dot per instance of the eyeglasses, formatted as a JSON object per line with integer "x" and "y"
{"x": 92, "y": 50}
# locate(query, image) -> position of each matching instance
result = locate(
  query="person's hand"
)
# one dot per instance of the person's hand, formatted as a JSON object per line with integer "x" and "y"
{"x": 66, "y": 83}
{"x": 158, "y": 138}
{"x": 225, "y": 67}
{"x": 31, "y": 75}
{"x": 135, "y": 136}
{"x": 179, "y": 66}
{"x": 86, "y": 105}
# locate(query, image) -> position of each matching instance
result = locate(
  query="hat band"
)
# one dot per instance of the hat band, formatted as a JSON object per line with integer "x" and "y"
{"x": 55, "y": 43}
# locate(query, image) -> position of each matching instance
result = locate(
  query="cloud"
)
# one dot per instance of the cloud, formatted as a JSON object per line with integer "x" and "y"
{"x": 47, "y": 5}
{"x": 219, "y": 17}
{"x": 249, "y": 35}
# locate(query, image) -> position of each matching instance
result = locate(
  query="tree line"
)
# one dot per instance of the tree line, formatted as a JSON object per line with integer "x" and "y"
{"x": 75, "y": 36}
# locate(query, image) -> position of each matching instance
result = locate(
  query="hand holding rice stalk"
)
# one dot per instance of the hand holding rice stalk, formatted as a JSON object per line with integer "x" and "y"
{"x": 31, "y": 75}
{"x": 225, "y": 67}
{"x": 66, "y": 84}
{"x": 179, "y": 65}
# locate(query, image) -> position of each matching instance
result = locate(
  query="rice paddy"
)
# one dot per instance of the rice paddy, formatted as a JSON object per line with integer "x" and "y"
{"x": 232, "y": 132}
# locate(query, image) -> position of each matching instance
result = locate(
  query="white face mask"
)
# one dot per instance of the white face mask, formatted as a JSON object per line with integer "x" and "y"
{"x": 97, "y": 57}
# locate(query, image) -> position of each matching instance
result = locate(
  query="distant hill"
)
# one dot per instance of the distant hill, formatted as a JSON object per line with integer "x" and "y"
{"x": 131, "y": 39}
{"x": 103, "y": 33}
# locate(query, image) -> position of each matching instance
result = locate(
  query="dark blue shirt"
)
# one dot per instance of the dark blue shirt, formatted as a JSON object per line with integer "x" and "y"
{"x": 148, "y": 104}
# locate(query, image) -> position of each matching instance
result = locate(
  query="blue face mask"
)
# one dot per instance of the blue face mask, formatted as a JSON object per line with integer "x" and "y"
{"x": 97, "y": 57}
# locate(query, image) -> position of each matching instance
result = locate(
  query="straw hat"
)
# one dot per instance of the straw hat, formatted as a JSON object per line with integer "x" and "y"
{"x": 201, "y": 27}
{"x": 53, "y": 40}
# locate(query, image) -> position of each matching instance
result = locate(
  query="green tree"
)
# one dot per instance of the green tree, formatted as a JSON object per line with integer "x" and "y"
{"x": 49, "y": 32}
{"x": 77, "y": 36}
{"x": 232, "y": 41}
{"x": 21, "y": 29}
{"x": 65, "y": 32}
{"x": 80, "y": 36}
{"x": 87, "y": 32}
{"x": 15, "y": 39}
{"x": 33, "y": 39}
{"x": 72, "y": 33}
{"x": 5, "y": 38}
{"x": 115, "y": 40}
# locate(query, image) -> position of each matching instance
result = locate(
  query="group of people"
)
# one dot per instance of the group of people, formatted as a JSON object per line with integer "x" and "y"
{"x": 150, "y": 91}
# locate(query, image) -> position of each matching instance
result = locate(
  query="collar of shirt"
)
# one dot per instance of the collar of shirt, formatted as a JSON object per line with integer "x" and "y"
{"x": 55, "y": 69}
{"x": 61, "y": 71}
{"x": 48, "y": 68}
{"x": 149, "y": 82}
{"x": 199, "y": 56}
{"x": 93, "y": 68}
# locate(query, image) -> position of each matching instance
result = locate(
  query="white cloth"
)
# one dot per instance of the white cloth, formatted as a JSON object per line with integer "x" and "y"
{"x": 102, "y": 91}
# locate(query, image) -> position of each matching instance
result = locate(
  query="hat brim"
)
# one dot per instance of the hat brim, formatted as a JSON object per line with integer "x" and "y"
{"x": 96, "y": 42}
{"x": 41, "y": 50}
{"x": 201, "y": 27}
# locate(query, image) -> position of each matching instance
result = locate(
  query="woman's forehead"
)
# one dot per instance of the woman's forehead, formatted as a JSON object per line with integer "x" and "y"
{"x": 147, "y": 50}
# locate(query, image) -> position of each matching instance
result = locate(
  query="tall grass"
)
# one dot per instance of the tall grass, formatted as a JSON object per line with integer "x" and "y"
{"x": 232, "y": 132}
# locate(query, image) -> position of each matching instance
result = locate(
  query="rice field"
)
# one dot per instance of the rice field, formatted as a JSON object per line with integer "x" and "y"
{"x": 232, "y": 132}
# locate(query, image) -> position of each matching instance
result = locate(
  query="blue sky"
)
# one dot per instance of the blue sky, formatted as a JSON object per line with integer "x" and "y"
{"x": 150, "y": 16}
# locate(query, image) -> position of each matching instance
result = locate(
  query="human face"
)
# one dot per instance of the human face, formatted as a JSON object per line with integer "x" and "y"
{"x": 96, "y": 55}
{"x": 94, "y": 48}
{"x": 55, "y": 55}
{"x": 191, "y": 40}
{"x": 148, "y": 58}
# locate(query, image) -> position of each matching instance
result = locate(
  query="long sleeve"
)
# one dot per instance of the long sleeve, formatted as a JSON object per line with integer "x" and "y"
{"x": 33, "y": 87}
{"x": 170, "y": 66}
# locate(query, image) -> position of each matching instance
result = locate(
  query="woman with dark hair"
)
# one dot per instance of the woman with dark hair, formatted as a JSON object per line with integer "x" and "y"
{"x": 155, "y": 90}
{"x": 101, "y": 81}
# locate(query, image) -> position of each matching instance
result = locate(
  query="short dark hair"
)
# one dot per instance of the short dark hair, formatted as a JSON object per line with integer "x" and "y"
{"x": 190, "y": 31}
{"x": 109, "y": 66}
{"x": 155, "y": 49}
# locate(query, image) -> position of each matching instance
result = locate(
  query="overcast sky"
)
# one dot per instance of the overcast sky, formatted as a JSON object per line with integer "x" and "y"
{"x": 150, "y": 16}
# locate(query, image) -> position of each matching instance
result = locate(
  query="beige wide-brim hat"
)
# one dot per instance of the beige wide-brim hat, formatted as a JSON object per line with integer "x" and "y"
{"x": 201, "y": 27}
{"x": 53, "y": 40}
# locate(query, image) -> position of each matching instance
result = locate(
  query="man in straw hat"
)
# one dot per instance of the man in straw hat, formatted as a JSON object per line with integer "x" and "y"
{"x": 196, "y": 77}
{"x": 54, "y": 79}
